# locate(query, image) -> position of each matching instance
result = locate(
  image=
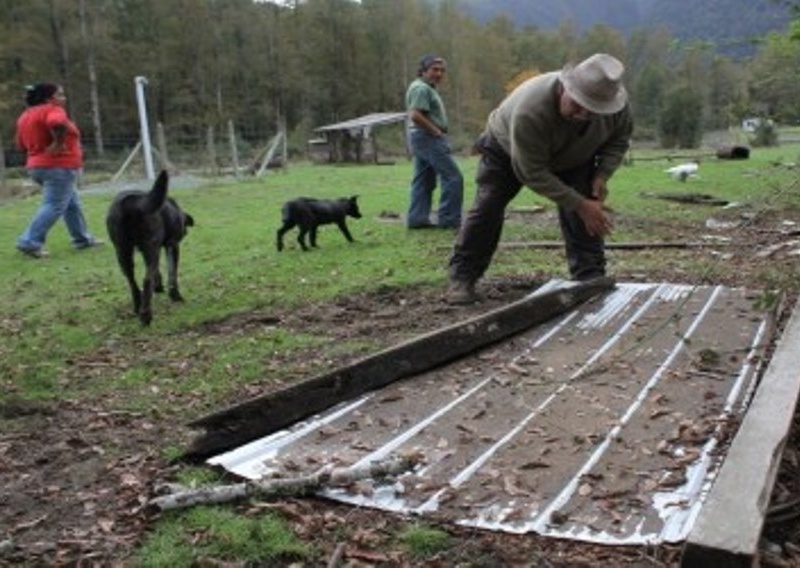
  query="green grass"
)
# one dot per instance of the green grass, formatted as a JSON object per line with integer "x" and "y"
{"x": 422, "y": 542}
{"x": 203, "y": 533}
{"x": 66, "y": 330}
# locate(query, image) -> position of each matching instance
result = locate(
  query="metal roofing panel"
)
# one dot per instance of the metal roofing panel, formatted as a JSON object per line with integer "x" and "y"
{"x": 368, "y": 120}
{"x": 606, "y": 424}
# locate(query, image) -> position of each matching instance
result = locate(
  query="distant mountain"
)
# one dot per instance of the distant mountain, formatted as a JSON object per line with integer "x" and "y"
{"x": 732, "y": 25}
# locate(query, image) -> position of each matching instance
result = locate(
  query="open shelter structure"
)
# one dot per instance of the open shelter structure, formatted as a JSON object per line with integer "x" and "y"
{"x": 352, "y": 140}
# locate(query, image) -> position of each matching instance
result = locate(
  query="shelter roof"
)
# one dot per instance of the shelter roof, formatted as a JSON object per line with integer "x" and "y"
{"x": 365, "y": 121}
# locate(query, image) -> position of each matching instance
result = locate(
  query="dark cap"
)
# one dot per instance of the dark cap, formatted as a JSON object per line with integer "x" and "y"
{"x": 427, "y": 61}
{"x": 39, "y": 93}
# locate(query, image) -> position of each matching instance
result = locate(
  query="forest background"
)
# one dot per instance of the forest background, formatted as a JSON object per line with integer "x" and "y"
{"x": 302, "y": 64}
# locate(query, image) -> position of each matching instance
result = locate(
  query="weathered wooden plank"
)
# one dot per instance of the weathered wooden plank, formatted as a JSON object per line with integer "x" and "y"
{"x": 634, "y": 245}
{"x": 241, "y": 423}
{"x": 728, "y": 528}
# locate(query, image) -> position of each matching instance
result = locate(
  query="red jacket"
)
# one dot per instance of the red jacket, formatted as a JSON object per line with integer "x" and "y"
{"x": 34, "y": 136}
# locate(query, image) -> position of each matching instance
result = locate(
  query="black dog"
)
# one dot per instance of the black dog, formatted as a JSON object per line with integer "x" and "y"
{"x": 148, "y": 221}
{"x": 308, "y": 214}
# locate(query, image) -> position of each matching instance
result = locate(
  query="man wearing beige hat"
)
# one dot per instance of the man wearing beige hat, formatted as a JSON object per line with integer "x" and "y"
{"x": 562, "y": 134}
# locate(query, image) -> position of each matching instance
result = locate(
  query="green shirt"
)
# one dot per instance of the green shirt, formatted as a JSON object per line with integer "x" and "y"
{"x": 541, "y": 143}
{"x": 423, "y": 97}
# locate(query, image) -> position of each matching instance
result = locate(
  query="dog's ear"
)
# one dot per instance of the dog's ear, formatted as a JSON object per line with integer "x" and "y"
{"x": 354, "y": 198}
{"x": 188, "y": 220}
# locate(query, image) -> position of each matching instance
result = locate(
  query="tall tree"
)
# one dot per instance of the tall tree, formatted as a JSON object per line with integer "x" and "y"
{"x": 459, "y": 40}
{"x": 774, "y": 84}
{"x": 57, "y": 21}
{"x": 727, "y": 97}
{"x": 681, "y": 118}
{"x": 603, "y": 39}
{"x": 311, "y": 62}
{"x": 88, "y": 33}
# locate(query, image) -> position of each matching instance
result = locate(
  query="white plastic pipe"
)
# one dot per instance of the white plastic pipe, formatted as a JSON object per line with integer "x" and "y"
{"x": 147, "y": 148}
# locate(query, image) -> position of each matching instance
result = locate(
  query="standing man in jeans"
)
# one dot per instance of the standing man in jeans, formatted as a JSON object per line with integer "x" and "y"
{"x": 427, "y": 137}
{"x": 563, "y": 134}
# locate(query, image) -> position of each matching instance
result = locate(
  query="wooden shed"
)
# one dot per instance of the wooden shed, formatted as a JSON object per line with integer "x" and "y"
{"x": 352, "y": 140}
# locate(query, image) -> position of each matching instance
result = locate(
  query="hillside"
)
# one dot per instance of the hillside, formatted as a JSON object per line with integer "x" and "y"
{"x": 731, "y": 25}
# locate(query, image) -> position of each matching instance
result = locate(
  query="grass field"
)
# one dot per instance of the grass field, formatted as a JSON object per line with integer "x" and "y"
{"x": 58, "y": 313}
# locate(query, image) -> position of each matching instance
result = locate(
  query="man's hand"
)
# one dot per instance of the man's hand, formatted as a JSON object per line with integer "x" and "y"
{"x": 594, "y": 215}
{"x": 420, "y": 119}
{"x": 599, "y": 188}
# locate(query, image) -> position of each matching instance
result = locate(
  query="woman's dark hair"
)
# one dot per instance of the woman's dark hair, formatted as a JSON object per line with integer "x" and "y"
{"x": 39, "y": 93}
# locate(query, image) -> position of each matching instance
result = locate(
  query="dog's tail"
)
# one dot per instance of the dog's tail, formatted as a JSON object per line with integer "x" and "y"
{"x": 158, "y": 194}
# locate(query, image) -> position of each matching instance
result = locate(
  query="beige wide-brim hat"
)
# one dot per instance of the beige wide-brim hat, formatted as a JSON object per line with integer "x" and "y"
{"x": 596, "y": 83}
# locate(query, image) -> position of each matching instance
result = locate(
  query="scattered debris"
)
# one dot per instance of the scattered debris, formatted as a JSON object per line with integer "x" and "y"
{"x": 303, "y": 485}
{"x": 717, "y": 225}
{"x": 771, "y": 250}
{"x": 388, "y": 215}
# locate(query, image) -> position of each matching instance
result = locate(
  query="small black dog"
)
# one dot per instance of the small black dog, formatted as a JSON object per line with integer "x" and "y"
{"x": 148, "y": 221}
{"x": 309, "y": 213}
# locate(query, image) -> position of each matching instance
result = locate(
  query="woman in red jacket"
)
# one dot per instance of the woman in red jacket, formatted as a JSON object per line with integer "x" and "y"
{"x": 55, "y": 158}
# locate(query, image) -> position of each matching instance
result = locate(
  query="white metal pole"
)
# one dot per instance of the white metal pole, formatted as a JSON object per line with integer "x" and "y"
{"x": 147, "y": 148}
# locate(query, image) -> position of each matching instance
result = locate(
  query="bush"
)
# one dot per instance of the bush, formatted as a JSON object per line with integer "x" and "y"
{"x": 765, "y": 134}
{"x": 681, "y": 119}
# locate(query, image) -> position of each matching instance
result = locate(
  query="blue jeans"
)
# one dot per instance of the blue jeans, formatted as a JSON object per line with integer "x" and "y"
{"x": 59, "y": 199}
{"x": 431, "y": 158}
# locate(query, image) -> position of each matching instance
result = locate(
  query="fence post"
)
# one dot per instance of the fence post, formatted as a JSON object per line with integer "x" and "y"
{"x": 234, "y": 151}
{"x": 162, "y": 148}
{"x": 2, "y": 167}
{"x": 145, "y": 129}
{"x": 212, "y": 152}
{"x": 284, "y": 149}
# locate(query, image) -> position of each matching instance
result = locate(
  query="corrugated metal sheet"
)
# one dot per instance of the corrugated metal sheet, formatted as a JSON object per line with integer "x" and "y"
{"x": 604, "y": 425}
{"x": 366, "y": 121}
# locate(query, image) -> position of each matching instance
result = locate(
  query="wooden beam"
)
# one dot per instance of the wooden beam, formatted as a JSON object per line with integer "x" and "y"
{"x": 617, "y": 246}
{"x": 728, "y": 527}
{"x": 260, "y": 416}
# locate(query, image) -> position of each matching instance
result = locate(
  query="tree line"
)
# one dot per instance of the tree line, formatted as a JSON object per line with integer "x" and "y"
{"x": 307, "y": 63}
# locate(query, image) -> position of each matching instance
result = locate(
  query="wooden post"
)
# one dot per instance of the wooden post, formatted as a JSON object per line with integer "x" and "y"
{"x": 234, "y": 151}
{"x": 2, "y": 169}
{"x": 162, "y": 148}
{"x": 284, "y": 151}
{"x": 212, "y": 152}
{"x": 273, "y": 146}
{"x": 127, "y": 162}
{"x": 374, "y": 140}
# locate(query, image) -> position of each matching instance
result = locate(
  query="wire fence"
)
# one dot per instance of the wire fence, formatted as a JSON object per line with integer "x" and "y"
{"x": 195, "y": 160}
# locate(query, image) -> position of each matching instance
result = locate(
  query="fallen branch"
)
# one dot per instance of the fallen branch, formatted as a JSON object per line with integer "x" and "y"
{"x": 670, "y": 157}
{"x": 777, "y": 510}
{"x": 328, "y": 476}
{"x": 338, "y": 554}
{"x": 619, "y": 246}
{"x": 697, "y": 198}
